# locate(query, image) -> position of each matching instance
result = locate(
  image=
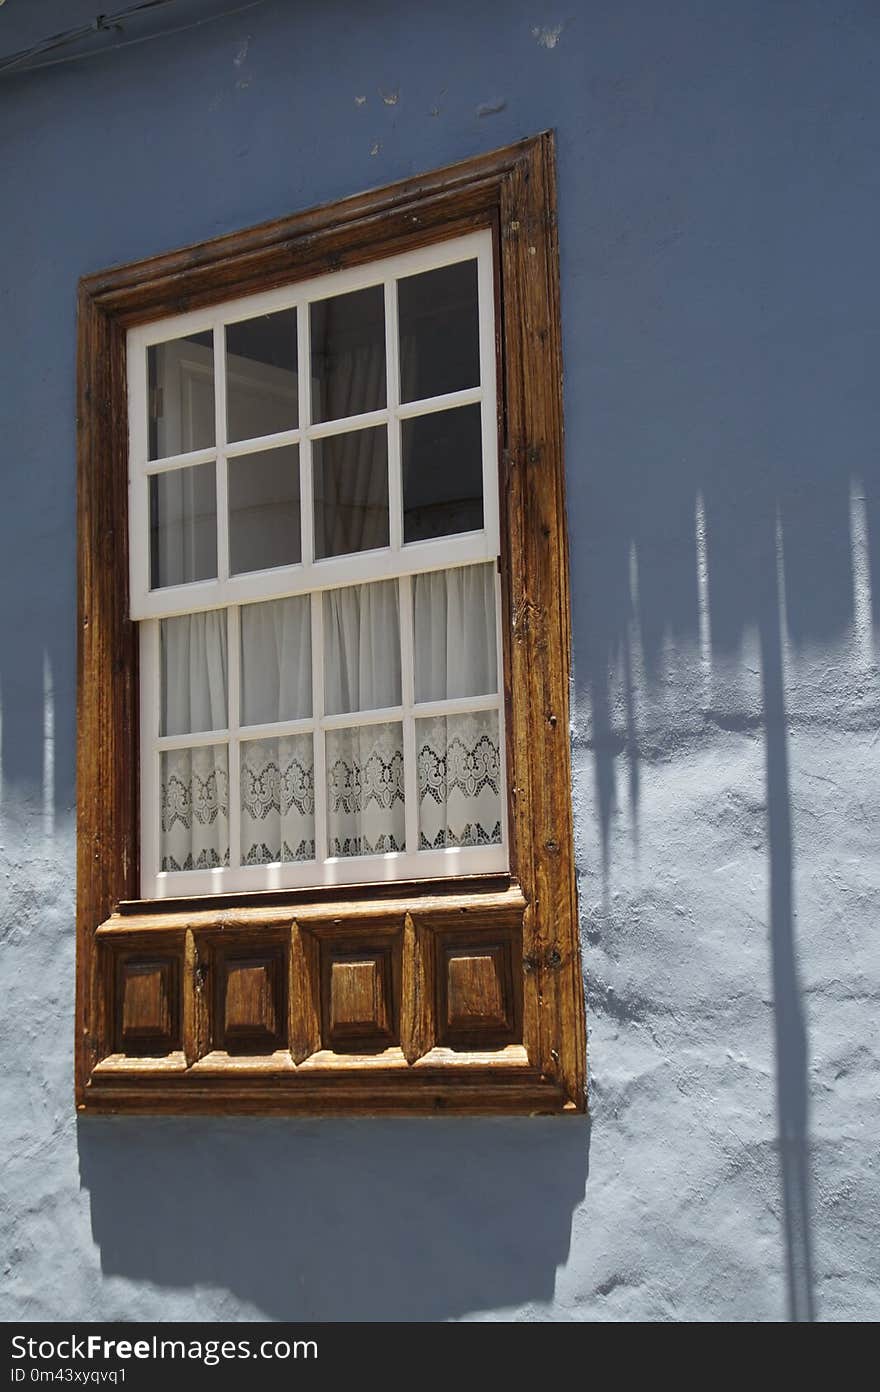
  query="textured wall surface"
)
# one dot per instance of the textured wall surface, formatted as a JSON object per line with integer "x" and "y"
{"x": 719, "y": 174}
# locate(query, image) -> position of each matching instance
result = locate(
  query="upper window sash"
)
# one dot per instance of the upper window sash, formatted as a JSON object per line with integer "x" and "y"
{"x": 398, "y": 558}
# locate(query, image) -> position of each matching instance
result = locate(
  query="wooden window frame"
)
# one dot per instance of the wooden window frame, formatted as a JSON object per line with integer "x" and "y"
{"x": 358, "y": 998}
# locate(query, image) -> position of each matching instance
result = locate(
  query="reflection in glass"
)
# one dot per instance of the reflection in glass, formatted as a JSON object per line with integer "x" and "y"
{"x": 459, "y": 773}
{"x": 193, "y": 673}
{"x": 442, "y": 473}
{"x": 361, "y": 648}
{"x": 348, "y": 354}
{"x": 194, "y": 808}
{"x": 350, "y": 474}
{"x": 365, "y": 790}
{"x": 180, "y": 376}
{"x": 276, "y": 661}
{"x": 261, "y": 381}
{"x": 439, "y": 331}
{"x": 183, "y": 526}
{"x": 277, "y": 800}
{"x": 264, "y": 514}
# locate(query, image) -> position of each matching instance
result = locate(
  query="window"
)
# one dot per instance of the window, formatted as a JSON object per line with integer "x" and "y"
{"x": 324, "y": 824}
{"x": 319, "y": 695}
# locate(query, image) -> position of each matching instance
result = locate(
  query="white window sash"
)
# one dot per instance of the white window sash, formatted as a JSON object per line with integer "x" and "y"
{"x": 397, "y": 561}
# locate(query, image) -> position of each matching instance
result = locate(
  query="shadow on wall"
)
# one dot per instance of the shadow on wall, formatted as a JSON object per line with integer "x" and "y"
{"x": 347, "y": 1220}
{"x": 731, "y": 506}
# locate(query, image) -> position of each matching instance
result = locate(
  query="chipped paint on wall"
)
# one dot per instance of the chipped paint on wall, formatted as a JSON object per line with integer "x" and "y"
{"x": 548, "y": 37}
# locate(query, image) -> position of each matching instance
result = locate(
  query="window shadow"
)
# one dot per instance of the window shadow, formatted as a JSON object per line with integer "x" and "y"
{"x": 417, "y": 1219}
{"x": 725, "y": 550}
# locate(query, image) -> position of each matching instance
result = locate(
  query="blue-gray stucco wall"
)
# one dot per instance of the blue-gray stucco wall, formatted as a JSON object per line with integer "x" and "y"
{"x": 719, "y": 168}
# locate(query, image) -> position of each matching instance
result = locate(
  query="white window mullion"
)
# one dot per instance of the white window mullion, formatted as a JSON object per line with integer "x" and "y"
{"x": 197, "y": 740}
{"x": 488, "y": 410}
{"x": 220, "y": 437}
{"x": 317, "y": 712}
{"x": 138, "y": 480}
{"x": 324, "y": 430}
{"x": 355, "y": 719}
{"x": 410, "y": 769}
{"x": 304, "y": 388}
{"x": 151, "y": 759}
{"x": 392, "y": 378}
{"x": 233, "y": 641}
{"x": 502, "y": 735}
{"x": 277, "y": 729}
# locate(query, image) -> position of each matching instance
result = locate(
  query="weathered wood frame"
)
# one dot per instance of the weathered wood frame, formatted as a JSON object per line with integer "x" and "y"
{"x": 512, "y": 191}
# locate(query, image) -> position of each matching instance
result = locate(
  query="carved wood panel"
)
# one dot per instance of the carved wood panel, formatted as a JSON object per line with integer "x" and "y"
{"x": 148, "y": 1005}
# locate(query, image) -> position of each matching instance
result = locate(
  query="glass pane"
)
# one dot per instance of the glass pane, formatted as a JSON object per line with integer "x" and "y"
{"x": 348, "y": 354}
{"x": 361, "y": 648}
{"x": 261, "y": 381}
{"x": 181, "y": 396}
{"x": 183, "y": 526}
{"x": 459, "y": 770}
{"x": 442, "y": 473}
{"x": 276, "y": 661}
{"x": 350, "y": 474}
{"x": 277, "y": 800}
{"x": 439, "y": 331}
{"x": 193, "y": 663}
{"x": 264, "y": 517}
{"x": 454, "y": 640}
{"x": 365, "y": 790}
{"x": 195, "y": 808}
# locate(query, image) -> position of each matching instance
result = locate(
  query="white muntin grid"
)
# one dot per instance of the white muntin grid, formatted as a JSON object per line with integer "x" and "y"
{"x": 398, "y": 561}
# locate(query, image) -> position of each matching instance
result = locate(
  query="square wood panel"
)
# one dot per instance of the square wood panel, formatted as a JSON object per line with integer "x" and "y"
{"x": 250, "y": 1002}
{"x": 148, "y": 1005}
{"x": 478, "y": 990}
{"x": 476, "y": 993}
{"x": 359, "y": 1008}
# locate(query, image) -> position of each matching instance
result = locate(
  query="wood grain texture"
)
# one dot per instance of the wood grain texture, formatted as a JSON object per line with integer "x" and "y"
{"x": 538, "y": 597}
{"x": 305, "y": 994}
{"x": 249, "y": 1006}
{"x": 147, "y": 1002}
{"x": 475, "y": 993}
{"x": 358, "y": 998}
{"x": 499, "y": 951}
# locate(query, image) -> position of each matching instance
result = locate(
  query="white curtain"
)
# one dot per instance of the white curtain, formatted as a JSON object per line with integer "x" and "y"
{"x": 277, "y": 800}
{"x": 365, "y": 795}
{"x": 194, "y": 782}
{"x": 459, "y": 767}
{"x": 277, "y": 775}
{"x": 195, "y": 808}
{"x": 458, "y": 755}
{"x": 361, "y": 648}
{"x": 193, "y": 661}
{"x": 365, "y": 802}
{"x": 276, "y": 661}
{"x": 454, "y": 633}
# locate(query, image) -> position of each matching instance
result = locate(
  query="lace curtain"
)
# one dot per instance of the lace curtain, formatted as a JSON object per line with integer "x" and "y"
{"x": 458, "y": 756}
{"x": 277, "y": 775}
{"x": 195, "y": 782}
